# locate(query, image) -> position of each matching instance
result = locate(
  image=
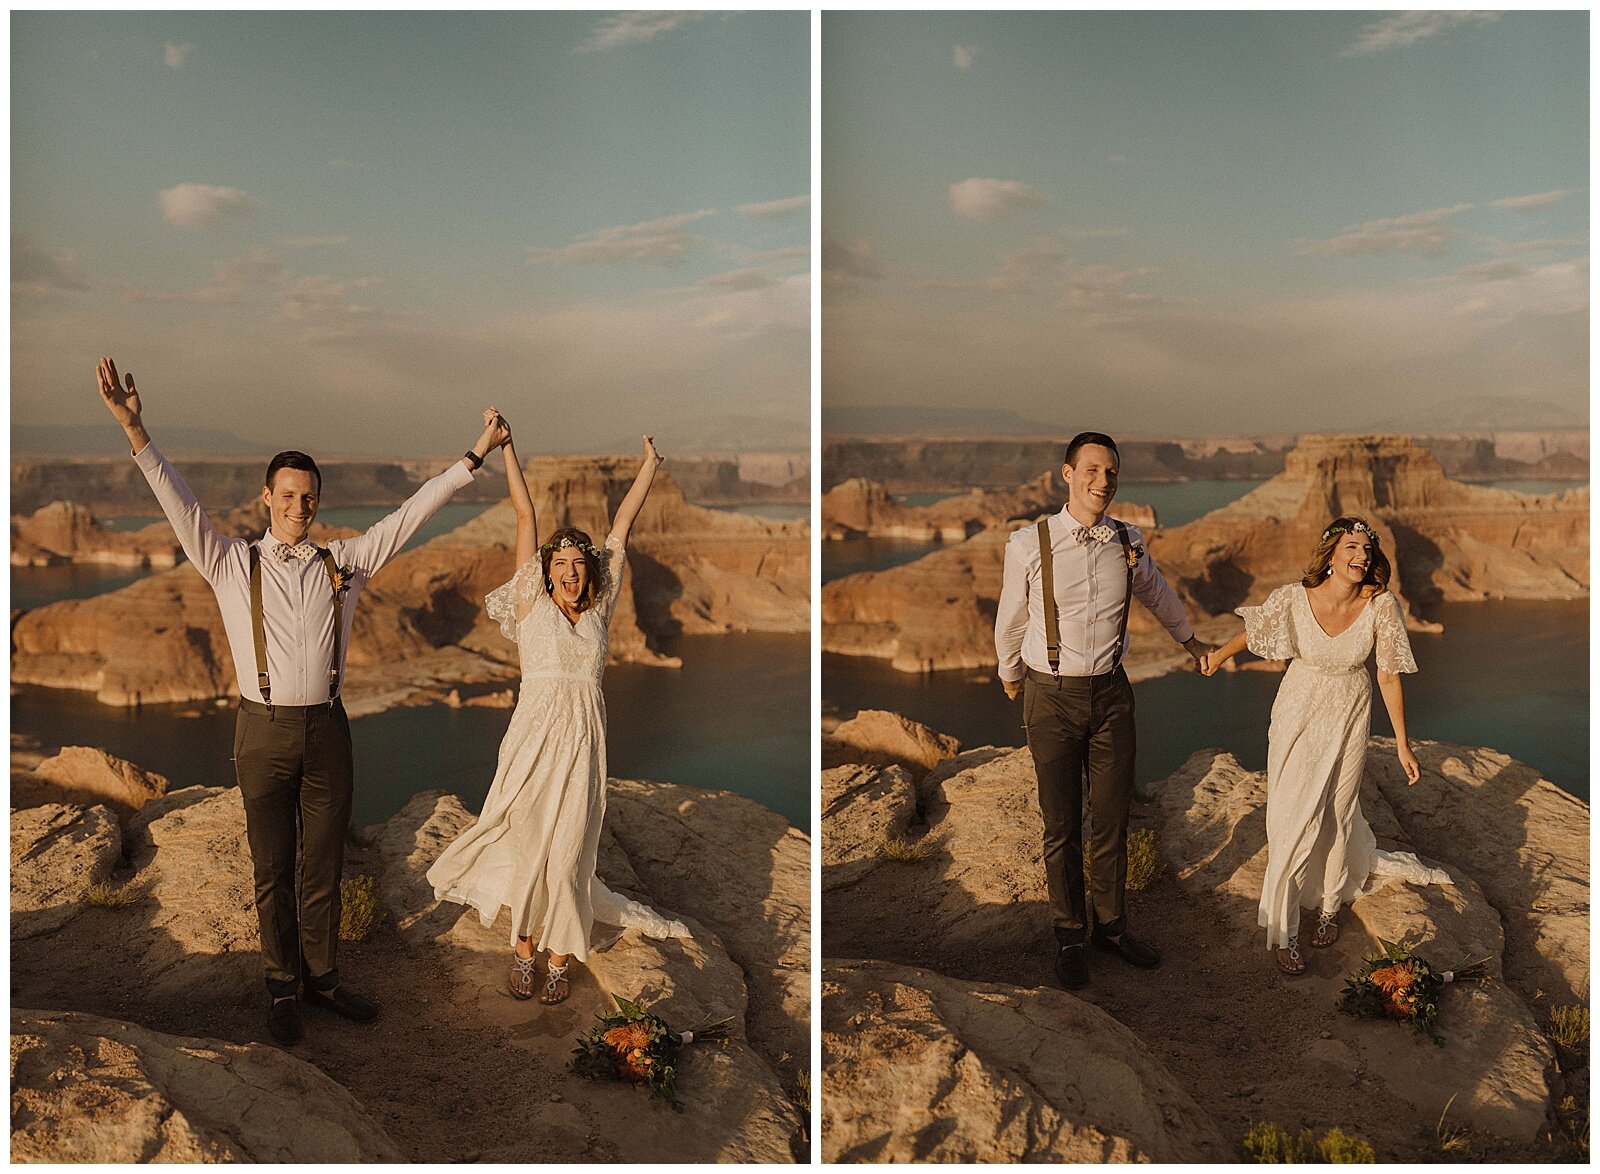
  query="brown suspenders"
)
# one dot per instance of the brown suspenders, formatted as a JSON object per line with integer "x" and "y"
{"x": 1047, "y": 582}
{"x": 258, "y": 624}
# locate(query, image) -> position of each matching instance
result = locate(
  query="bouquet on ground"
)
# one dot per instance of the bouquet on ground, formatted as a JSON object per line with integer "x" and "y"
{"x": 635, "y": 1046}
{"x": 1396, "y": 984}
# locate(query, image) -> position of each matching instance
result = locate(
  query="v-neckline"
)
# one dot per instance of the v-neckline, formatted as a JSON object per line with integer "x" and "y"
{"x": 1306, "y": 592}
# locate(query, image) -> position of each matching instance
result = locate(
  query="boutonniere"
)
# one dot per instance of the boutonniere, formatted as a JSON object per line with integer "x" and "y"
{"x": 343, "y": 577}
{"x": 1135, "y": 553}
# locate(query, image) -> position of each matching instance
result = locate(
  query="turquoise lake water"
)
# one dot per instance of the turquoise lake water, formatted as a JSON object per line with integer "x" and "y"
{"x": 736, "y": 717}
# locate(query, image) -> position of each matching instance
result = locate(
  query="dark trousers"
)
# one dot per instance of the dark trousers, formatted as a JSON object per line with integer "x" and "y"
{"x": 1079, "y": 725}
{"x": 293, "y": 763}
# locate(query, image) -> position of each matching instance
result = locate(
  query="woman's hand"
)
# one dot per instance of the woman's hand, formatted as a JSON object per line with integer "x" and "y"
{"x": 495, "y": 428}
{"x": 650, "y": 453}
{"x": 1408, "y": 762}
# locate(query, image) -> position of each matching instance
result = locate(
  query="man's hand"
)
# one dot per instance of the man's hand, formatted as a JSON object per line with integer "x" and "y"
{"x": 1199, "y": 649}
{"x": 496, "y": 428}
{"x": 123, "y": 401}
{"x": 1013, "y": 689}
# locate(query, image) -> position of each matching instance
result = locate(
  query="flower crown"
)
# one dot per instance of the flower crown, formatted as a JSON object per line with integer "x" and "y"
{"x": 587, "y": 548}
{"x": 1352, "y": 528}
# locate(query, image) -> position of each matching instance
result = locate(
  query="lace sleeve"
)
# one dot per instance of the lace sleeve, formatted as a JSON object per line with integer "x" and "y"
{"x": 509, "y": 602}
{"x": 1269, "y": 627}
{"x": 1394, "y": 648}
{"x": 616, "y": 563}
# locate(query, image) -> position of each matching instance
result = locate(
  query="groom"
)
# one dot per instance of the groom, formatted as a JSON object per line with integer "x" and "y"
{"x": 1060, "y": 633}
{"x": 287, "y": 607}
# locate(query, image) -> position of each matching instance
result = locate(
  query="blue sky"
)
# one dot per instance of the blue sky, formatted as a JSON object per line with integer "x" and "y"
{"x": 367, "y": 224}
{"x": 1195, "y": 222}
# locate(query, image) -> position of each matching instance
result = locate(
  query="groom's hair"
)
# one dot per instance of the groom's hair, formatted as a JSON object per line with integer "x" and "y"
{"x": 1084, "y": 438}
{"x": 291, "y": 459}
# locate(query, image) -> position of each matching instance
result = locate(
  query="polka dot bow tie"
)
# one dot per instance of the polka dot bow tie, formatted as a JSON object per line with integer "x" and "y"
{"x": 305, "y": 552}
{"x": 1088, "y": 534}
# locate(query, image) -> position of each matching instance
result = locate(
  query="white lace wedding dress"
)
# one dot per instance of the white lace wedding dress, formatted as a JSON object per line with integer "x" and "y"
{"x": 1320, "y": 851}
{"x": 534, "y": 846}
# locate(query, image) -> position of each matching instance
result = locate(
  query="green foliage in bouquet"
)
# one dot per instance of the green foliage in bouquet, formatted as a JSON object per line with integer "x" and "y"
{"x": 638, "y": 1047}
{"x": 1396, "y": 984}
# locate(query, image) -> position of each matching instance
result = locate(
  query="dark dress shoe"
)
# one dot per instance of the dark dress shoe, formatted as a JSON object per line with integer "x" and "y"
{"x": 1129, "y": 948}
{"x": 1071, "y": 968}
{"x": 283, "y": 1021}
{"x": 342, "y": 1002}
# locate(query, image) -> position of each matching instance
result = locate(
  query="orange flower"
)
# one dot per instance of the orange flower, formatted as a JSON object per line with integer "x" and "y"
{"x": 1393, "y": 979}
{"x": 629, "y": 1037}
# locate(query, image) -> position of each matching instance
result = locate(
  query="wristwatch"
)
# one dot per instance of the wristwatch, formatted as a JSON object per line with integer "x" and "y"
{"x": 474, "y": 461}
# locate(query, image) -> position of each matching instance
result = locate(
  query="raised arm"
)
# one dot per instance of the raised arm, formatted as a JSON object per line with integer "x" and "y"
{"x": 517, "y": 486}
{"x": 634, "y": 501}
{"x": 370, "y": 551}
{"x": 205, "y": 548}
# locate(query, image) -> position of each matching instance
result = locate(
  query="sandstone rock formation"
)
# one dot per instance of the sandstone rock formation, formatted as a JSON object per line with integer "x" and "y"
{"x": 86, "y": 776}
{"x": 89, "y": 1089}
{"x": 860, "y": 508}
{"x": 967, "y": 914}
{"x": 1496, "y": 1064}
{"x": 65, "y": 532}
{"x": 938, "y": 613}
{"x": 420, "y": 625}
{"x": 453, "y": 1056}
{"x": 1446, "y": 541}
{"x": 58, "y": 851}
{"x": 918, "y": 1067}
{"x": 876, "y": 736}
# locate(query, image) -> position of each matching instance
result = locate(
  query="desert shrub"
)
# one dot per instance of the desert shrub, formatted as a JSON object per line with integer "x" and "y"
{"x": 1144, "y": 860}
{"x": 1569, "y": 1027}
{"x": 108, "y": 896}
{"x": 360, "y": 911}
{"x": 1266, "y": 1143}
{"x": 905, "y": 851}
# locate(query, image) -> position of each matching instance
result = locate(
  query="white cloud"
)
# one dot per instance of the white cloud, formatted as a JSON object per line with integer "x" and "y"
{"x": 1549, "y": 244}
{"x": 776, "y": 208}
{"x": 749, "y": 256}
{"x": 992, "y": 199}
{"x": 37, "y": 272}
{"x": 846, "y": 263}
{"x": 660, "y": 242}
{"x": 1531, "y": 203}
{"x": 1042, "y": 271}
{"x": 231, "y": 279}
{"x": 201, "y": 205}
{"x": 1406, "y": 28}
{"x": 176, "y": 55}
{"x": 314, "y": 242}
{"x": 1492, "y": 271}
{"x": 964, "y": 55}
{"x": 1420, "y": 234}
{"x": 740, "y": 280}
{"x": 633, "y": 28}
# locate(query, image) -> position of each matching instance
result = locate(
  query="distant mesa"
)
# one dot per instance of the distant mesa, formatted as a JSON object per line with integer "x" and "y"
{"x": 1447, "y": 542}
{"x": 421, "y": 625}
{"x": 861, "y": 508}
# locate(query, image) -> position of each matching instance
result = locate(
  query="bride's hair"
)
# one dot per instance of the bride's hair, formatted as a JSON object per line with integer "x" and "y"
{"x": 1322, "y": 557}
{"x": 572, "y": 536}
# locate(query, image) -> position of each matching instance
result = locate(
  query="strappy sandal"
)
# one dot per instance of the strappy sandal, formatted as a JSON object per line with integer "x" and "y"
{"x": 557, "y": 974}
{"x": 520, "y": 981}
{"x": 1295, "y": 966}
{"x": 1327, "y": 929}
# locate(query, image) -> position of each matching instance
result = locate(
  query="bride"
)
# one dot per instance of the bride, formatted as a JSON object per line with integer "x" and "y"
{"x": 1320, "y": 851}
{"x": 534, "y": 846}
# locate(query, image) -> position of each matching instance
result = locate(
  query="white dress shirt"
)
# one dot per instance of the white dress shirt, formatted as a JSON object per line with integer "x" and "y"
{"x": 296, "y": 597}
{"x": 1090, "y": 585}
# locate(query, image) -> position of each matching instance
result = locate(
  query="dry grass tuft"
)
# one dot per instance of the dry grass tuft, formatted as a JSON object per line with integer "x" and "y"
{"x": 1266, "y": 1143}
{"x": 905, "y": 851}
{"x": 108, "y": 896}
{"x": 359, "y": 911}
